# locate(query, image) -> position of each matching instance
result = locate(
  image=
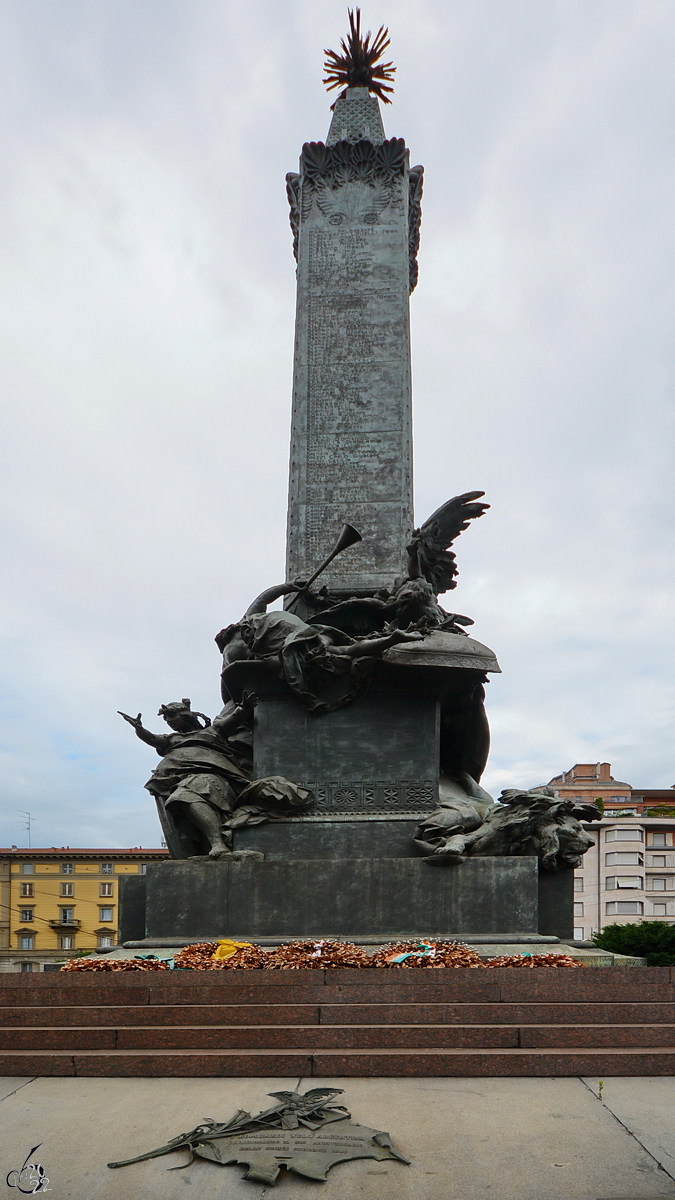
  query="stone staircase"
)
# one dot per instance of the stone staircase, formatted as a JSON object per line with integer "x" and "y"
{"x": 604, "y": 1021}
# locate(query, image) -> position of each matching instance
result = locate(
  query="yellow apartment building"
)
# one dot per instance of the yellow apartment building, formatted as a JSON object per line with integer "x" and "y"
{"x": 58, "y": 901}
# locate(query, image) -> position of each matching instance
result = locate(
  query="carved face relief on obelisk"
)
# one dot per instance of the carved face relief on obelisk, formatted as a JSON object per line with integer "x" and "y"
{"x": 355, "y": 212}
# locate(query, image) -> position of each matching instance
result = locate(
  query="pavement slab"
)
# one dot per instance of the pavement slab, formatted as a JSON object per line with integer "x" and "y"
{"x": 83, "y": 1124}
{"x": 646, "y": 1107}
{"x": 511, "y": 1139}
{"x": 11, "y": 1083}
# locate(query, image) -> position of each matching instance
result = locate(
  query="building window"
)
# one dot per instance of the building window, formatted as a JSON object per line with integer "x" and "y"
{"x": 106, "y": 868}
{"x": 105, "y": 889}
{"x": 624, "y": 835}
{"x": 25, "y": 968}
{"x": 66, "y": 941}
{"x": 26, "y": 914}
{"x": 66, "y": 868}
{"x": 26, "y": 941}
{"x": 658, "y": 860}
{"x": 105, "y": 941}
{"x": 658, "y": 839}
{"x": 27, "y": 869}
{"x": 624, "y": 858}
{"x": 67, "y": 889}
{"x": 67, "y": 915}
{"x": 105, "y": 914}
{"x": 618, "y": 799}
{"x": 658, "y": 884}
{"x": 623, "y": 881}
{"x": 143, "y": 869}
{"x": 616, "y": 908}
{"x": 578, "y": 909}
{"x": 578, "y": 933}
{"x": 659, "y": 910}
{"x": 578, "y": 883}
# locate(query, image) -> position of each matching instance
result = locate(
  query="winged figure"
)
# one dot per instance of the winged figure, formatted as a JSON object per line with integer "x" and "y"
{"x": 432, "y": 569}
{"x": 429, "y": 553}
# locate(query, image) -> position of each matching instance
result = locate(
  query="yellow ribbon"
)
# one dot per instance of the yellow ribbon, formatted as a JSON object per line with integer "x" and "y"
{"x": 226, "y": 948}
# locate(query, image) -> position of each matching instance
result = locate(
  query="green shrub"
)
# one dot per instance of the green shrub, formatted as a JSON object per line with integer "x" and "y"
{"x": 653, "y": 940}
{"x": 600, "y": 803}
{"x": 660, "y": 958}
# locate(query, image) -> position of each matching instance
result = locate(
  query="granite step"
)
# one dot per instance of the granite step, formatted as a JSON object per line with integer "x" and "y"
{"x": 537, "y": 1013}
{"x": 519, "y": 1062}
{"x": 165, "y": 1015}
{"x": 460, "y": 1022}
{"x": 507, "y": 1013}
{"x": 261, "y": 1038}
{"x": 361, "y": 1037}
{"x": 369, "y": 986}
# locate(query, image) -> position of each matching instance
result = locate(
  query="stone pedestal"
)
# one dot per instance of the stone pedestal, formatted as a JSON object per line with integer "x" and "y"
{"x": 348, "y": 866}
{"x": 382, "y": 753}
{"x": 379, "y": 754}
{"x": 370, "y": 896}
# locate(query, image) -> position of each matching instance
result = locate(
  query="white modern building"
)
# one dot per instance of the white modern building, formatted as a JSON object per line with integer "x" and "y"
{"x": 629, "y": 874}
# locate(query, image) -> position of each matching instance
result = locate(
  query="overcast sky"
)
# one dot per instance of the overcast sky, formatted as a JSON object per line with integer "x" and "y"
{"x": 147, "y": 339}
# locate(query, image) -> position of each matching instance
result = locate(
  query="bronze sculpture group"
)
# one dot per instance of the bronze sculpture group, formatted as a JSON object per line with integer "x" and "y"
{"x": 204, "y": 786}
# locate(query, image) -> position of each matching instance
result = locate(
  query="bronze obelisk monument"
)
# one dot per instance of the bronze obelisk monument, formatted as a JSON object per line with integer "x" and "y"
{"x": 353, "y": 738}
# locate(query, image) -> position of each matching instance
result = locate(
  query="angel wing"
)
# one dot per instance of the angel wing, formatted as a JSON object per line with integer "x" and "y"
{"x": 429, "y": 554}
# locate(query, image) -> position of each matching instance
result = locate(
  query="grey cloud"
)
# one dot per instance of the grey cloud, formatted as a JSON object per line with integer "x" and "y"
{"x": 147, "y": 346}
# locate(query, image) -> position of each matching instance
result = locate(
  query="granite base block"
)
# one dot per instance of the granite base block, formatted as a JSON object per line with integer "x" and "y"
{"x": 390, "y": 837}
{"x": 556, "y": 903}
{"x": 329, "y": 897}
{"x": 131, "y": 907}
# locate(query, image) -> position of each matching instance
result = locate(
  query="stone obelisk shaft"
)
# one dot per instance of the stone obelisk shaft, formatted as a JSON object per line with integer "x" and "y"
{"x": 355, "y": 214}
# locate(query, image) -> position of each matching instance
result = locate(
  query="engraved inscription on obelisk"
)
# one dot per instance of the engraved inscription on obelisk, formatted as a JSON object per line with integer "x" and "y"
{"x": 351, "y": 453}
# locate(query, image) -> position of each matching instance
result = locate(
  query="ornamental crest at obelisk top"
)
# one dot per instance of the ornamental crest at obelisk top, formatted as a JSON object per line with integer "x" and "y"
{"x": 355, "y": 214}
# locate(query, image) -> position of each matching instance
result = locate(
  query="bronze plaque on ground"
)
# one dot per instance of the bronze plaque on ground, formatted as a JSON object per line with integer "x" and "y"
{"x": 306, "y": 1133}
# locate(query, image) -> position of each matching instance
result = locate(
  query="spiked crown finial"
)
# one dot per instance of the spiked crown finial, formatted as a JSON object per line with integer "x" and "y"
{"x": 359, "y": 65}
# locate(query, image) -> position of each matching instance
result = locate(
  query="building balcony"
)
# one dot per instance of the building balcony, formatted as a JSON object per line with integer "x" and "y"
{"x": 59, "y": 924}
